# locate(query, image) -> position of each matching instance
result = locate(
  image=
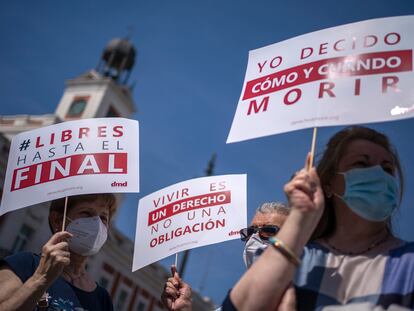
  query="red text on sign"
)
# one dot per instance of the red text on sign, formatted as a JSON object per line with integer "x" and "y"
{"x": 188, "y": 204}
{"x": 81, "y": 133}
{"x": 330, "y": 68}
{"x": 74, "y": 165}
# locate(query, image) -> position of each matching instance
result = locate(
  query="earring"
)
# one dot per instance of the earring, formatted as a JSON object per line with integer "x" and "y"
{"x": 329, "y": 195}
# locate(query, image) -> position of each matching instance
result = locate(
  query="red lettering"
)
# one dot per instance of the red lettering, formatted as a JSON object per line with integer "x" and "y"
{"x": 153, "y": 242}
{"x": 66, "y": 135}
{"x": 256, "y": 109}
{"x": 213, "y": 186}
{"x": 218, "y": 186}
{"x": 188, "y": 204}
{"x": 326, "y": 87}
{"x": 118, "y": 131}
{"x": 261, "y": 66}
{"x": 366, "y": 42}
{"x": 323, "y": 49}
{"x": 38, "y": 143}
{"x": 289, "y": 101}
{"x": 389, "y": 42}
{"x": 398, "y": 61}
{"x": 357, "y": 91}
{"x": 279, "y": 61}
{"x": 335, "y": 46}
{"x": 302, "y": 53}
{"x": 102, "y": 131}
{"x": 74, "y": 165}
{"x": 84, "y": 131}
{"x": 389, "y": 82}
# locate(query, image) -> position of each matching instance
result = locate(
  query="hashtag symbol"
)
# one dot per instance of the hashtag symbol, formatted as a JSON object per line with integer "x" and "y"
{"x": 24, "y": 145}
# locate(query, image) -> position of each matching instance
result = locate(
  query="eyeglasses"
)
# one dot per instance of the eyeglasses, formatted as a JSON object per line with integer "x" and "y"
{"x": 265, "y": 232}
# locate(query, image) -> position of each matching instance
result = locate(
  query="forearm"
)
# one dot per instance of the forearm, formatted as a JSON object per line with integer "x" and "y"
{"x": 263, "y": 285}
{"x": 26, "y": 297}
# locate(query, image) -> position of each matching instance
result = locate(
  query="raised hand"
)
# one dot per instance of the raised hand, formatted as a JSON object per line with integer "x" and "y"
{"x": 304, "y": 192}
{"x": 176, "y": 294}
{"x": 55, "y": 256}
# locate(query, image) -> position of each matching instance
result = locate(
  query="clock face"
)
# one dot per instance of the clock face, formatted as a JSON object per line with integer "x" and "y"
{"x": 77, "y": 107}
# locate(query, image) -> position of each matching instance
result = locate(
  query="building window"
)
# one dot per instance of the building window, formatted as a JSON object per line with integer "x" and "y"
{"x": 120, "y": 303}
{"x": 22, "y": 238}
{"x": 112, "y": 113}
{"x": 77, "y": 107}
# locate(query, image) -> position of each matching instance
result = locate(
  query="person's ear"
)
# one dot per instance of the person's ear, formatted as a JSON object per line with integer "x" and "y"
{"x": 55, "y": 220}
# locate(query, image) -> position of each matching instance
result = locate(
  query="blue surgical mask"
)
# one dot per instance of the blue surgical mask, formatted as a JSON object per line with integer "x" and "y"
{"x": 253, "y": 249}
{"x": 370, "y": 192}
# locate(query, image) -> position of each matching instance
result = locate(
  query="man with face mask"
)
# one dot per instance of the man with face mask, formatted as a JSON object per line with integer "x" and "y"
{"x": 268, "y": 219}
{"x": 57, "y": 278}
{"x": 266, "y": 223}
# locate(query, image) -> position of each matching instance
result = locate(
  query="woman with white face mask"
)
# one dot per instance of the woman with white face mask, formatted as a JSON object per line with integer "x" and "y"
{"x": 57, "y": 278}
{"x": 337, "y": 246}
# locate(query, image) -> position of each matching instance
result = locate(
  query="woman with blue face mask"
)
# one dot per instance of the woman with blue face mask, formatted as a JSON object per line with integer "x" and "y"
{"x": 337, "y": 245}
{"x": 57, "y": 278}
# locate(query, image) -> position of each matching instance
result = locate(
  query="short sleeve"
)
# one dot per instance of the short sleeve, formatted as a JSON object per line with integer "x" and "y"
{"x": 22, "y": 264}
{"x": 106, "y": 299}
{"x": 228, "y": 304}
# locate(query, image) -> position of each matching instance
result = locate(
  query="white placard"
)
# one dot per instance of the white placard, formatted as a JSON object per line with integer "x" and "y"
{"x": 351, "y": 74}
{"x": 189, "y": 214}
{"x": 75, "y": 157}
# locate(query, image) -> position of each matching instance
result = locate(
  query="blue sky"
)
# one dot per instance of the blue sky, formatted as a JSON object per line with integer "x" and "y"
{"x": 189, "y": 72}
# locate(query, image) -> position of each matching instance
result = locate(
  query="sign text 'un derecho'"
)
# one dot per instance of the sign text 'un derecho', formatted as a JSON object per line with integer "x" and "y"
{"x": 189, "y": 214}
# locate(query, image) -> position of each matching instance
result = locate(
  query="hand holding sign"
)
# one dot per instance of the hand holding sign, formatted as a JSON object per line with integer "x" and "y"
{"x": 176, "y": 294}
{"x": 55, "y": 256}
{"x": 305, "y": 197}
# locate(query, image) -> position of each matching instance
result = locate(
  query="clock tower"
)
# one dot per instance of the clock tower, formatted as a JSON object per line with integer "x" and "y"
{"x": 101, "y": 92}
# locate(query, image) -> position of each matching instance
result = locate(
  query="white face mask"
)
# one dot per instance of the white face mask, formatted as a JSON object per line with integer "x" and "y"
{"x": 89, "y": 235}
{"x": 253, "y": 249}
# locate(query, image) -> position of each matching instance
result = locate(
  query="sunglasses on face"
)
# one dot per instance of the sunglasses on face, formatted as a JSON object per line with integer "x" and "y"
{"x": 265, "y": 232}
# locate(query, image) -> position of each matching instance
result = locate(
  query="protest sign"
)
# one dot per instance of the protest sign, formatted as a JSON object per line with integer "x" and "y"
{"x": 189, "y": 214}
{"x": 76, "y": 157}
{"x": 351, "y": 74}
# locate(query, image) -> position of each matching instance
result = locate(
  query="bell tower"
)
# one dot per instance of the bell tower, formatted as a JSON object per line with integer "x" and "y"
{"x": 101, "y": 92}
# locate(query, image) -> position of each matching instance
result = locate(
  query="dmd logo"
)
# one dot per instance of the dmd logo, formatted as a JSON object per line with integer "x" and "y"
{"x": 119, "y": 184}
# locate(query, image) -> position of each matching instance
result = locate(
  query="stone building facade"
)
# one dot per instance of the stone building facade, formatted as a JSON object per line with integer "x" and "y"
{"x": 101, "y": 92}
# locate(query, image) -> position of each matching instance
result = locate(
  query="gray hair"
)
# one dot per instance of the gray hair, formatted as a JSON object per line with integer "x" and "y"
{"x": 273, "y": 207}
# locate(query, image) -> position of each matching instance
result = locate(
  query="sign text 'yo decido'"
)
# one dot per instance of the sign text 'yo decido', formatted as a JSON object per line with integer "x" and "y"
{"x": 350, "y": 74}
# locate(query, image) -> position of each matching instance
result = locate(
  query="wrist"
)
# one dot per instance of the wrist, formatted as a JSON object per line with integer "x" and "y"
{"x": 306, "y": 221}
{"x": 188, "y": 307}
{"x": 38, "y": 281}
{"x": 297, "y": 230}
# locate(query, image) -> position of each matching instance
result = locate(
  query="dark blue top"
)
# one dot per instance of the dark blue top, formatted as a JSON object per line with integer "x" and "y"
{"x": 64, "y": 296}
